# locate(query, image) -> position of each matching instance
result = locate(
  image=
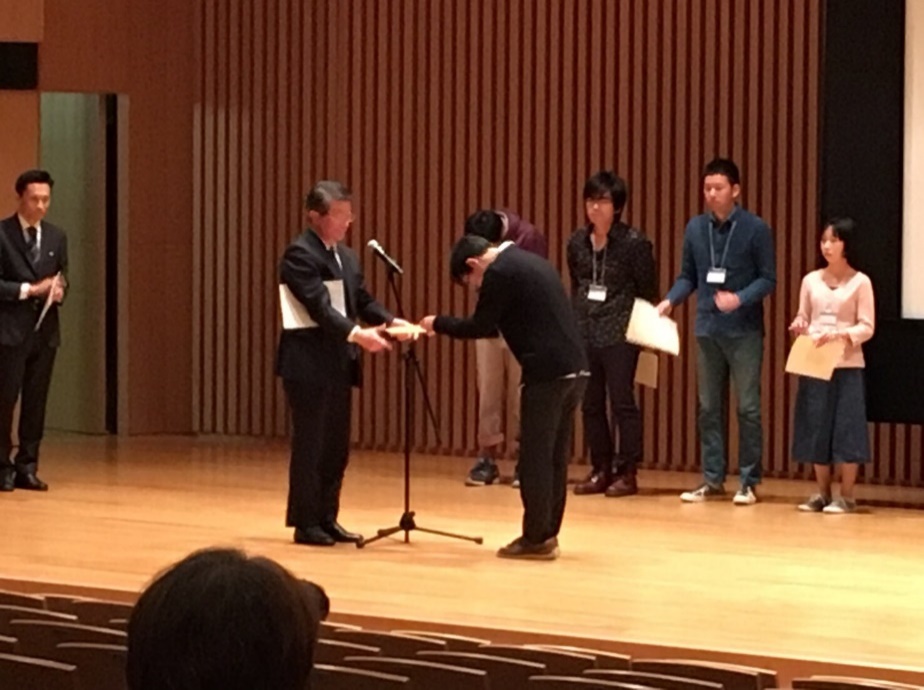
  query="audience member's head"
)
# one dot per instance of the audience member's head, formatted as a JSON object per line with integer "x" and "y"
{"x": 221, "y": 620}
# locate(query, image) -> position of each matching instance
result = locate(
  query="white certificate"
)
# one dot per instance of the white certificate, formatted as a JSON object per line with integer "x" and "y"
{"x": 649, "y": 329}
{"x": 294, "y": 313}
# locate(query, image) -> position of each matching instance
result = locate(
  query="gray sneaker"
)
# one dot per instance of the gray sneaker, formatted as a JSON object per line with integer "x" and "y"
{"x": 815, "y": 504}
{"x": 840, "y": 505}
{"x": 704, "y": 492}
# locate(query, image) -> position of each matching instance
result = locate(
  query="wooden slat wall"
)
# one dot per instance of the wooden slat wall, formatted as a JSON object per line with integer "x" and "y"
{"x": 432, "y": 109}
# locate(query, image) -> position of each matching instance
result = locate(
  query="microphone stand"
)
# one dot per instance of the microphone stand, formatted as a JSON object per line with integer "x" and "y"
{"x": 407, "y": 522}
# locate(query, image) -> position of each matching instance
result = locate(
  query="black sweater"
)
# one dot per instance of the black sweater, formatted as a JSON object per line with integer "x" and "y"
{"x": 522, "y": 297}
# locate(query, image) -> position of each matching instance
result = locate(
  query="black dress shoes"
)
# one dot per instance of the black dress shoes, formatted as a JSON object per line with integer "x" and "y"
{"x": 313, "y": 536}
{"x": 29, "y": 482}
{"x": 339, "y": 534}
{"x": 7, "y": 482}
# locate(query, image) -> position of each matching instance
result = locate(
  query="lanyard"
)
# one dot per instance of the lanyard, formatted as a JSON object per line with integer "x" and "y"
{"x": 593, "y": 262}
{"x": 727, "y": 242}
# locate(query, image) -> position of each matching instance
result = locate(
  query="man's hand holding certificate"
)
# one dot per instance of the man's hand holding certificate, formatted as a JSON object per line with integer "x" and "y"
{"x": 648, "y": 328}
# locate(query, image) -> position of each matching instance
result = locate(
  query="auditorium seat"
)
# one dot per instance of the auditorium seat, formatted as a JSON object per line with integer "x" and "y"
{"x": 654, "y": 680}
{"x": 24, "y": 673}
{"x": 100, "y": 666}
{"x": 502, "y": 672}
{"x": 62, "y": 603}
{"x": 99, "y": 613}
{"x": 454, "y": 643}
{"x": 325, "y": 677}
{"x": 10, "y": 613}
{"x": 730, "y": 676}
{"x": 578, "y": 683}
{"x": 605, "y": 660}
{"x": 117, "y": 624}
{"x": 556, "y": 662}
{"x": 848, "y": 683}
{"x": 328, "y": 628}
{"x": 41, "y": 638}
{"x": 389, "y": 643}
{"x": 29, "y": 601}
{"x": 424, "y": 674}
{"x": 334, "y": 651}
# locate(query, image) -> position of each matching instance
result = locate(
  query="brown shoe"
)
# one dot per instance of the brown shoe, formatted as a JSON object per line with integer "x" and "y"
{"x": 520, "y": 548}
{"x": 626, "y": 485}
{"x": 595, "y": 483}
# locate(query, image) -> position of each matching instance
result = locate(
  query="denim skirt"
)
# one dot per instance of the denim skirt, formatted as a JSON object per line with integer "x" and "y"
{"x": 829, "y": 423}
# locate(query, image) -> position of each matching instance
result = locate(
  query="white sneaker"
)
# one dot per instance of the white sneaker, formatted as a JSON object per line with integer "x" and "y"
{"x": 745, "y": 497}
{"x": 840, "y": 505}
{"x": 704, "y": 492}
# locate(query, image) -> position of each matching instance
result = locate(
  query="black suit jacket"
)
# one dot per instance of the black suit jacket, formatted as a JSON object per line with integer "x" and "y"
{"x": 322, "y": 355}
{"x": 18, "y": 317}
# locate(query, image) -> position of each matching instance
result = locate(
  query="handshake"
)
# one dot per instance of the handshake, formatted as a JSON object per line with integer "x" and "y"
{"x": 378, "y": 338}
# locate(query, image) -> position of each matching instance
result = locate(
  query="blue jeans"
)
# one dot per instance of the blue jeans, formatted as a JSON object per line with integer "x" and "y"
{"x": 742, "y": 357}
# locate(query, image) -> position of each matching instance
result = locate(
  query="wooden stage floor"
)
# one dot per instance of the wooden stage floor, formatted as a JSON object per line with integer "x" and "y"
{"x": 644, "y": 573}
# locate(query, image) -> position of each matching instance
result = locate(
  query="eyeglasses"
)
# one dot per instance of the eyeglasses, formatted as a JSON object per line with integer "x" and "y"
{"x": 603, "y": 201}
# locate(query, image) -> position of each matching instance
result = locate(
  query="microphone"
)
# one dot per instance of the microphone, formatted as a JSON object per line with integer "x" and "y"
{"x": 383, "y": 255}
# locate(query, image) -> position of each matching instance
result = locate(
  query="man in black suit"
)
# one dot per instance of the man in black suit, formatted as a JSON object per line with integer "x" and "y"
{"x": 319, "y": 365}
{"x": 520, "y": 296}
{"x": 33, "y": 258}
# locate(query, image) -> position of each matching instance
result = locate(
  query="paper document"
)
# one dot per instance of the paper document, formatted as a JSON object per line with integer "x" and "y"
{"x": 646, "y": 371}
{"x": 648, "y": 329}
{"x": 294, "y": 313}
{"x": 48, "y": 300}
{"x": 411, "y": 330}
{"x": 805, "y": 359}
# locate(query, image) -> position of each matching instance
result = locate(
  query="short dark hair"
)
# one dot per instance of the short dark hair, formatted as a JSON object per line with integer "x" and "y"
{"x": 320, "y": 197}
{"x": 33, "y": 177}
{"x": 485, "y": 223}
{"x": 466, "y": 247}
{"x": 607, "y": 185}
{"x": 844, "y": 229}
{"x": 220, "y": 620}
{"x": 723, "y": 166}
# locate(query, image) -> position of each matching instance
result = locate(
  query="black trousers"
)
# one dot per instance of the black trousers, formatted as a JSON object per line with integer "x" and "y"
{"x": 612, "y": 376}
{"x": 24, "y": 370}
{"x": 320, "y": 450}
{"x": 547, "y": 428}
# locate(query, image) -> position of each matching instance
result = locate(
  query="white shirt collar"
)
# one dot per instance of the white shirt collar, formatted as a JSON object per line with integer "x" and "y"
{"x": 23, "y": 223}
{"x": 503, "y": 245}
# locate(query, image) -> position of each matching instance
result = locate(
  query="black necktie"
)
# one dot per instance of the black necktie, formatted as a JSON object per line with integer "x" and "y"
{"x": 32, "y": 244}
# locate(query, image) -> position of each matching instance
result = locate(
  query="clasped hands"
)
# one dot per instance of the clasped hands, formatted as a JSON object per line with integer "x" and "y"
{"x": 54, "y": 284}
{"x": 800, "y": 326}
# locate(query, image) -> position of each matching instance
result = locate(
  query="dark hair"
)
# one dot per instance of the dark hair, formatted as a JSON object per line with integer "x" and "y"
{"x": 723, "y": 166}
{"x": 220, "y": 620}
{"x": 466, "y": 247}
{"x": 320, "y": 197}
{"x": 607, "y": 185}
{"x": 844, "y": 229}
{"x": 32, "y": 177}
{"x": 485, "y": 223}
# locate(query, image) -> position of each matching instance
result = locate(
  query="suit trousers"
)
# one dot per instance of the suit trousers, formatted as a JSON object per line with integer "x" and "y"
{"x": 547, "y": 414}
{"x": 25, "y": 370}
{"x": 612, "y": 376}
{"x": 320, "y": 450}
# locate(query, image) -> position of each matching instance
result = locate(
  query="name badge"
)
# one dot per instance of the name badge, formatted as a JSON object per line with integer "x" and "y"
{"x": 715, "y": 276}
{"x": 596, "y": 293}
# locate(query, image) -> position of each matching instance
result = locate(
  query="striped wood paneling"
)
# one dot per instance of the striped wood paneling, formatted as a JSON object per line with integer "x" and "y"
{"x": 432, "y": 109}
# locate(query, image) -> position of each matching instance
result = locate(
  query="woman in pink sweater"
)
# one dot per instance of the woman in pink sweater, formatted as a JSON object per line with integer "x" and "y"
{"x": 829, "y": 425}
